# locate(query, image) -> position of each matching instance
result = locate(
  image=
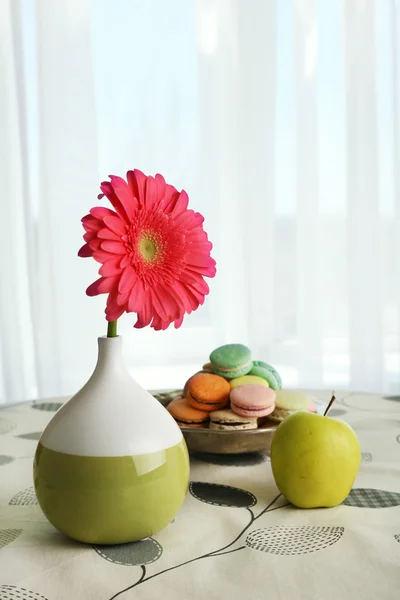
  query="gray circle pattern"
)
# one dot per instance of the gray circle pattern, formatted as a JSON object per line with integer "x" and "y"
{"x": 337, "y": 412}
{"x": 12, "y": 592}
{"x": 6, "y": 460}
{"x": 372, "y": 498}
{"x": 286, "y": 540}
{"x": 47, "y": 406}
{"x": 221, "y": 495}
{"x": 6, "y": 426}
{"x": 233, "y": 460}
{"x": 133, "y": 554}
{"x": 34, "y": 435}
{"x": 24, "y": 498}
{"x": 8, "y": 535}
{"x": 366, "y": 457}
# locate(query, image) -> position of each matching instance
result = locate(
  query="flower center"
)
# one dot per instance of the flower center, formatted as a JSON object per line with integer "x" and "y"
{"x": 147, "y": 249}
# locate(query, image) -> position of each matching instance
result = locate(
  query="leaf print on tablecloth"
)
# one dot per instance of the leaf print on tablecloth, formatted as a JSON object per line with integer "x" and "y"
{"x": 6, "y": 460}
{"x": 8, "y": 535}
{"x": 47, "y": 406}
{"x": 393, "y": 398}
{"x": 25, "y": 498}
{"x": 337, "y": 412}
{"x": 397, "y": 537}
{"x": 289, "y": 541}
{"x": 221, "y": 495}
{"x": 34, "y": 435}
{"x": 233, "y": 460}
{"x": 372, "y": 498}
{"x": 12, "y": 592}
{"x": 133, "y": 554}
{"x": 366, "y": 457}
{"x": 6, "y": 426}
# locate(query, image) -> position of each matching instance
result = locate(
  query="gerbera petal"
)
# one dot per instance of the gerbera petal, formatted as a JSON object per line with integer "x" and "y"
{"x": 136, "y": 297}
{"x": 208, "y": 270}
{"x": 151, "y": 193}
{"x": 104, "y": 285}
{"x": 181, "y": 204}
{"x": 111, "y": 267}
{"x": 203, "y": 246}
{"x": 85, "y": 251}
{"x": 165, "y": 303}
{"x": 113, "y": 309}
{"x": 145, "y": 315}
{"x": 114, "y": 313}
{"x": 113, "y": 246}
{"x": 161, "y": 186}
{"x": 179, "y": 293}
{"x": 198, "y": 259}
{"x": 197, "y": 235}
{"x": 89, "y": 236}
{"x": 187, "y": 296}
{"x": 125, "y": 195}
{"x": 128, "y": 280}
{"x": 107, "y": 234}
{"x": 156, "y": 323}
{"x": 189, "y": 219}
{"x": 115, "y": 224}
{"x": 95, "y": 244}
{"x": 159, "y": 324}
{"x": 108, "y": 191}
{"x": 123, "y": 299}
{"x": 170, "y": 199}
{"x": 137, "y": 183}
{"x": 101, "y": 256}
{"x": 91, "y": 223}
{"x": 125, "y": 261}
{"x": 201, "y": 286}
{"x": 178, "y": 322}
{"x": 101, "y": 212}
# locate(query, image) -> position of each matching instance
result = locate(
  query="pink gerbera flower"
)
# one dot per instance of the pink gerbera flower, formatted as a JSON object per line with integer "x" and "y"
{"x": 154, "y": 252}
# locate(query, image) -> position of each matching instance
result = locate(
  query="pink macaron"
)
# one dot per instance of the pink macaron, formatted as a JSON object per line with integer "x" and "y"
{"x": 252, "y": 400}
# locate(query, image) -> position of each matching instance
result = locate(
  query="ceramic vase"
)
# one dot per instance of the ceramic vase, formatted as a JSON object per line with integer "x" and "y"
{"x": 111, "y": 466}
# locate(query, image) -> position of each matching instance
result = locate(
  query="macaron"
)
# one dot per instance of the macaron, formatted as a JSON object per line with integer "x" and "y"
{"x": 247, "y": 380}
{"x": 208, "y": 392}
{"x": 264, "y": 370}
{"x": 231, "y": 360}
{"x": 227, "y": 420}
{"x": 207, "y": 368}
{"x": 252, "y": 400}
{"x": 187, "y": 416}
{"x": 290, "y": 401}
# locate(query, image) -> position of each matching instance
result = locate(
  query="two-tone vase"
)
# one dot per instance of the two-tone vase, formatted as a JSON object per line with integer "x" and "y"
{"x": 111, "y": 466}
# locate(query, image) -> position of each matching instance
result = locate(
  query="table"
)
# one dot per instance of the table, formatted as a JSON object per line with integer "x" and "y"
{"x": 235, "y": 536}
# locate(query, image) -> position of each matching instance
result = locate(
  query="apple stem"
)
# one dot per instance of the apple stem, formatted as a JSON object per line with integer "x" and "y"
{"x": 332, "y": 400}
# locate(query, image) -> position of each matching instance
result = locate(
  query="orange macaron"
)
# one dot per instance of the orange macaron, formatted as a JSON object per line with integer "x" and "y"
{"x": 187, "y": 416}
{"x": 207, "y": 392}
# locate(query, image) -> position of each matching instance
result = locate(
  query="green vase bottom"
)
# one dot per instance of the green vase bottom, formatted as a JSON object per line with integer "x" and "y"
{"x": 111, "y": 500}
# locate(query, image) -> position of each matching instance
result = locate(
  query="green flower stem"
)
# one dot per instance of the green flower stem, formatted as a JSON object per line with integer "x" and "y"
{"x": 112, "y": 329}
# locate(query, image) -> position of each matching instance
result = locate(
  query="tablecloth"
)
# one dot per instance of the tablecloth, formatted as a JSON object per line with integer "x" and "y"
{"x": 234, "y": 538}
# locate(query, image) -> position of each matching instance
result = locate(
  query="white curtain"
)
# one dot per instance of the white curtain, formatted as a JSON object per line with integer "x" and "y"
{"x": 280, "y": 119}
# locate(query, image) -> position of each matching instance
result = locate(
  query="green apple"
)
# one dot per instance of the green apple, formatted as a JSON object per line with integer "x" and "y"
{"x": 314, "y": 459}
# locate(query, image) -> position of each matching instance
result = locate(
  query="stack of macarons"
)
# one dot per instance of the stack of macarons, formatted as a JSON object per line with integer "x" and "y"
{"x": 231, "y": 392}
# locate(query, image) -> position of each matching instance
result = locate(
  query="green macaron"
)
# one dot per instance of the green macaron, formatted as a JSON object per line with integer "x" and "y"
{"x": 264, "y": 370}
{"x": 231, "y": 360}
